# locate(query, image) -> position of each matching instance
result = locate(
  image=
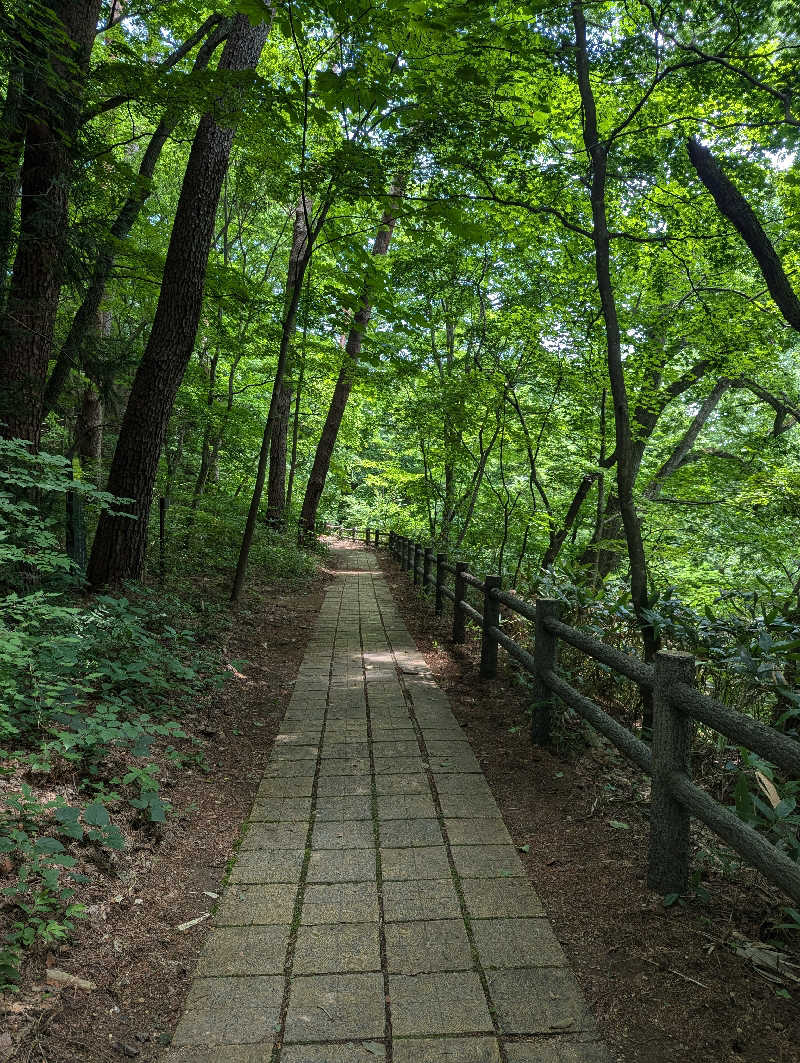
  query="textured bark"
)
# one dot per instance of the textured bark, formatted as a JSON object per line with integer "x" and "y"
{"x": 299, "y": 257}
{"x": 11, "y": 137}
{"x": 732, "y": 204}
{"x": 52, "y": 105}
{"x": 627, "y": 465}
{"x": 69, "y": 355}
{"x": 344, "y": 383}
{"x": 276, "y": 483}
{"x": 118, "y": 551}
{"x": 298, "y": 261}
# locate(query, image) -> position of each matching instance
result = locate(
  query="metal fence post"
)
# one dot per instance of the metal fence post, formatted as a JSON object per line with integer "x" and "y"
{"x": 427, "y": 565}
{"x": 491, "y": 618}
{"x": 459, "y": 617}
{"x": 546, "y": 657}
{"x": 668, "y": 862}
{"x": 417, "y": 552}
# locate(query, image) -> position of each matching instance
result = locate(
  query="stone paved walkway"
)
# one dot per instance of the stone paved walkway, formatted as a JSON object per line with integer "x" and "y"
{"x": 378, "y": 910}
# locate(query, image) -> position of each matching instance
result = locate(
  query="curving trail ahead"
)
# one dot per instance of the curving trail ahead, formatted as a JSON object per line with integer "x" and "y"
{"x": 378, "y": 910}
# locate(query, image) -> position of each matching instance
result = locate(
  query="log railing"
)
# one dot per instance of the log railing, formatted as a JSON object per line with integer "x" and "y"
{"x": 677, "y": 707}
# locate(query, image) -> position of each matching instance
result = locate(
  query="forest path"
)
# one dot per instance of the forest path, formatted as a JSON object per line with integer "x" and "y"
{"x": 377, "y": 909}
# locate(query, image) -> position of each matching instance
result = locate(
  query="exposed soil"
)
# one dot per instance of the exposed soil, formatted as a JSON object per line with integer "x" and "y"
{"x": 664, "y": 982}
{"x": 130, "y": 945}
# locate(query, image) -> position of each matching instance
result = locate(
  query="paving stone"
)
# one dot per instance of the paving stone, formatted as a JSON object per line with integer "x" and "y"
{"x": 278, "y": 809}
{"x": 343, "y": 834}
{"x": 487, "y": 861}
{"x": 442, "y": 1003}
{"x": 244, "y": 950}
{"x": 344, "y": 766}
{"x": 329, "y": 949}
{"x": 256, "y": 905}
{"x": 477, "y": 832}
{"x": 407, "y": 833}
{"x": 468, "y": 806}
{"x": 348, "y": 902}
{"x": 275, "y": 836}
{"x": 425, "y": 946}
{"x": 418, "y": 863}
{"x": 223, "y": 1054}
{"x": 298, "y": 787}
{"x": 517, "y": 943}
{"x": 538, "y": 1000}
{"x": 431, "y": 899}
{"x": 447, "y": 1050}
{"x": 489, "y": 898}
{"x": 342, "y": 865}
{"x": 230, "y": 1011}
{"x": 268, "y": 865}
{"x": 461, "y": 783}
{"x": 343, "y": 808}
{"x": 406, "y": 806}
{"x": 345, "y": 786}
{"x": 556, "y": 1050}
{"x": 288, "y": 769}
{"x": 394, "y": 747}
{"x": 398, "y": 765}
{"x": 357, "y": 1052}
{"x": 336, "y": 1007}
{"x": 416, "y": 783}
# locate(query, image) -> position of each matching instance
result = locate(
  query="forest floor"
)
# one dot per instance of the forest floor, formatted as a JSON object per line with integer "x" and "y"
{"x": 133, "y": 947}
{"x": 665, "y": 983}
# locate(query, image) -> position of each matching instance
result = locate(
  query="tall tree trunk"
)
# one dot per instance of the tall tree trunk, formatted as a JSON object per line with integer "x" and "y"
{"x": 11, "y": 138}
{"x": 119, "y": 547}
{"x": 303, "y": 239}
{"x": 276, "y": 483}
{"x": 53, "y": 105}
{"x": 626, "y": 462}
{"x": 69, "y": 355}
{"x": 344, "y": 383}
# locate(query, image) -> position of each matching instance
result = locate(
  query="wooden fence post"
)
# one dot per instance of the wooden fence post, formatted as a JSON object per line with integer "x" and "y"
{"x": 668, "y": 863}
{"x": 417, "y": 552}
{"x": 545, "y": 655}
{"x": 409, "y": 555}
{"x": 459, "y": 617}
{"x": 491, "y": 618}
{"x": 376, "y": 538}
{"x": 427, "y": 564}
{"x": 441, "y": 561}
{"x": 368, "y": 536}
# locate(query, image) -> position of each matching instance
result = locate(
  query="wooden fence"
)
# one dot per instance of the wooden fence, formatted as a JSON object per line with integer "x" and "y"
{"x": 677, "y": 706}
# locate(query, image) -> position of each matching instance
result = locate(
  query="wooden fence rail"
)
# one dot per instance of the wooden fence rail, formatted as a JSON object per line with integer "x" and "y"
{"x": 677, "y": 707}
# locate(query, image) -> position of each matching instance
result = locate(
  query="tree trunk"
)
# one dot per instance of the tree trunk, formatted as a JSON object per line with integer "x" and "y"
{"x": 626, "y": 462}
{"x": 11, "y": 137}
{"x": 276, "y": 484}
{"x": 52, "y": 104}
{"x": 118, "y": 551}
{"x": 69, "y": 355}
{"x": 344, "y": 383}
{"x": 299, "y": 257}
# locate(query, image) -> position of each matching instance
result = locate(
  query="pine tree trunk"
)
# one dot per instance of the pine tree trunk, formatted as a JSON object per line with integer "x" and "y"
{"x": 52, "y": 106}
{"x": 118, "y": 551}
{"x": 344, "y": 384}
